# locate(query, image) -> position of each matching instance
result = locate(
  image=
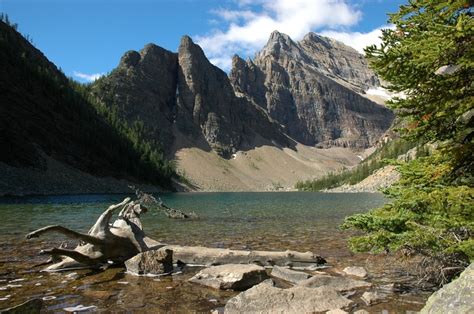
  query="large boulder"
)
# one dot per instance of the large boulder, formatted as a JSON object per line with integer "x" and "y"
{"x": 333, "y": 282}
{"x": 455, "y": 297}
{"x": 265, "y": 298}
{"x": 154, "y": 262}
{"x": 289, "y": 275}
{"x": 231, "y": 276}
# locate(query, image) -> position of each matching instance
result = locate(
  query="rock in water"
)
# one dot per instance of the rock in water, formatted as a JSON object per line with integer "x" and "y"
{"x": 264, "y": 298}
{"x": 289, "y": 275}
{"x": 32, "y": 306}
{"x": 374, "y": 297}
{"x": 454, "y": 298}
{"x": 356, "y": 271}
{"x": 151, "y": 262}
{"x": 333, "y": 282}
{"x": 231, "y": 276}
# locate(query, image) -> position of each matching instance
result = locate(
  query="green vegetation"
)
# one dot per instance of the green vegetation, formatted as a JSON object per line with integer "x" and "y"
{"x": 44, "y": 110}
{"x": 377, "y": 160}
{"x": 432, "y": 207}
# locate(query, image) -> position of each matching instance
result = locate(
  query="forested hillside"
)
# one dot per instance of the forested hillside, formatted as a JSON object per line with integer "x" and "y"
{"x": 43, "y": 114}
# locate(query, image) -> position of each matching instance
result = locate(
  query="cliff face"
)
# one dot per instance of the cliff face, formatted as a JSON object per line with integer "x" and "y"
{"x": 311, "y": 88}
{"x": 168, "y": 93}
{"x": 142, "y": 89}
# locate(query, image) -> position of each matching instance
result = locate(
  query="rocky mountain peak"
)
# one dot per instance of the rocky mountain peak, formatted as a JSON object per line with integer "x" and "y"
{"x": 130, "y": 59}
{"x": 313, "y": 87}
{"x": 279, "y": 44}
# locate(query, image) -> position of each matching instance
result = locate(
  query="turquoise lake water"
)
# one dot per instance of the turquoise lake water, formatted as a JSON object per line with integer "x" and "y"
{"x": 264, "y": 221}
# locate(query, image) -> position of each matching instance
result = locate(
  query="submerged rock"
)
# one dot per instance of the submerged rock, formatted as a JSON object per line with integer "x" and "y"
{"x": 232, "y": 276}
{"x": 32, "y": 306}
{"x": 265, "y": 298}
{"x": 151, "y": 262}
{"x": 373, "y": 297}
{"x": 356, "y": 271}
{"x": 333, "y": 282}
{"x": 455, "y": 297}
{"x": 289, "y": 275}
{"x": 80, "y": 308}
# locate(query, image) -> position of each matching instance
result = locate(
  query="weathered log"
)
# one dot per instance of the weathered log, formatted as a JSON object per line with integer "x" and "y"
{"x": 105, "y": 242}
{"x": 203, "y": 256}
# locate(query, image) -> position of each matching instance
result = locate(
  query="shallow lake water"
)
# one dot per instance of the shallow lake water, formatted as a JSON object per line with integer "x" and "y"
{"x": 264, "y": 221}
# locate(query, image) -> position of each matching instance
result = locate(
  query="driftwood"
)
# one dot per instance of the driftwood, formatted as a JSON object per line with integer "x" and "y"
{"x": 150, "y": 201}
{"x": 203, "y": 256}
{"x": 107, "y": 243}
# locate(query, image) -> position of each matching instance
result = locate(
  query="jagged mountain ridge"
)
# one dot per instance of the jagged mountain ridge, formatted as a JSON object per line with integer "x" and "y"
{"x": 307, "y": 91}
{"x": 312, "y": 88}
{"x": 171, "y": 93}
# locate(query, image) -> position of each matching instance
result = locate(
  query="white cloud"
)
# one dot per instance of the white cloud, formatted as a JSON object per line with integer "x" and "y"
{"x": 249, "y": 26}
{"x": 357, "y": 40}
{"x": 88, "y": 77}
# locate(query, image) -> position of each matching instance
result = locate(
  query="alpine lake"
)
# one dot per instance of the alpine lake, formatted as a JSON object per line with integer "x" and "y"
{"x": 300, "y": 221}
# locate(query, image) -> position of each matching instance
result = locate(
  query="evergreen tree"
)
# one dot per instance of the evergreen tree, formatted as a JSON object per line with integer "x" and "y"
{"x": 429, "y": 58}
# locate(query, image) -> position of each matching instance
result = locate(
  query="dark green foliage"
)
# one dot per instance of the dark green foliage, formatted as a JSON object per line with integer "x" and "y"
{"x": 377, "y": 160}
{"x": 432, "y": 208}
{"x": 44, "y": 112}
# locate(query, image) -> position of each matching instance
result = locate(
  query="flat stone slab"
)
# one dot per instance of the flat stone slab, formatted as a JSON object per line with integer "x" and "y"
{"x": 265, "y": 298}
{"x": 337, "y": 283}
{"x": 154, "y": 262}
{"x": 289, "y": 275}
{"x": 231, "y": 276}
{"x": 356, "y": 271}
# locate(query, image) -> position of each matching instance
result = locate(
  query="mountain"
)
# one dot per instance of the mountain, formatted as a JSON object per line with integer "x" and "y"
{"x": 182, "y": 94}
{"x": 258, "y": 128}
{"x": 54, "y": 140}
{"x": 313, "y": 88}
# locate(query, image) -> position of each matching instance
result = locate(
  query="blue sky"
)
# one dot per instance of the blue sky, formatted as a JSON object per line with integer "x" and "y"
{"x": 88, "y": 37}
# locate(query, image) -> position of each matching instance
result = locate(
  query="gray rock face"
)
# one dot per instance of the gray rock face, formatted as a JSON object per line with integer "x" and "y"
{"x": 289, "y": 275}
{"x": 455, "y": 297}
{"x": 231, "y": 276}
{"x": 142, "y": 89}
{"x": 159, "y": 92}
{"x": 306, "y": 90}
{"x": 333, "y": 282}
{"x": 153, "y": 262}
{"x": 310, "y": 87}
{"x": 264, "y": 298}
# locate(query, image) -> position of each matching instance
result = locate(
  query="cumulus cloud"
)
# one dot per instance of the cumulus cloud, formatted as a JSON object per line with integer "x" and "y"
{"x": 87, "y": 77}
{"x": 247, "y": 26}
{"x": 358, "y": 40}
